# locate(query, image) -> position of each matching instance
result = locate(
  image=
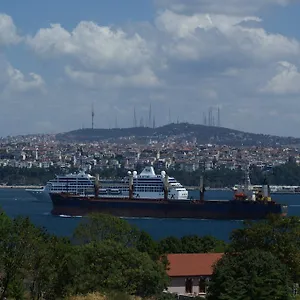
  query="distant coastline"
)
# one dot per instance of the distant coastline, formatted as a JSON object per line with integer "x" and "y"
{"x": 21, "y": 186}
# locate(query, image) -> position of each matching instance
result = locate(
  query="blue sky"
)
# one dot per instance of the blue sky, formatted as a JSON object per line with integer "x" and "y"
{"x": 179, "y": 56}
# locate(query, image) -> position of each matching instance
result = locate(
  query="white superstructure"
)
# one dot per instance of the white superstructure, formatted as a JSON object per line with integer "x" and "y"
{"x": 74, "y": 183}
{"x": 147, "y": 184}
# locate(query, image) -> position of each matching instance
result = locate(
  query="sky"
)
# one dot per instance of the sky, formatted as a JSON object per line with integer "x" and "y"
{"x": 60, "y": 58}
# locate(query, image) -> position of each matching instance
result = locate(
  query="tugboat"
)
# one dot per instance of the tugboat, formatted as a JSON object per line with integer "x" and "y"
{"x": 245, "y": 204}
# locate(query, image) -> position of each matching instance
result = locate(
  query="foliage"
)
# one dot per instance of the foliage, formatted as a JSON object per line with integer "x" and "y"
{"x": 253, "y": 274}
{"x": 111, "y": 266}
{"x": 110, "y": 255}
{"x": 27, "y": 176}
{"x": 278, "y": 235}
{"x": 101, "y": 227}
{"x": 191, "y": 244}
{"x": 203, "y": 134}
{"x": 220, "y": 176}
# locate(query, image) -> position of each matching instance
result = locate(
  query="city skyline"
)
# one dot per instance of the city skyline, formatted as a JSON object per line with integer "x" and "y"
{"x": 149, "y": 62}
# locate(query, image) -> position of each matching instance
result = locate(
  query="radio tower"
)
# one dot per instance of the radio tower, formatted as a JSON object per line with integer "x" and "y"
{"x": 219, "y": 117}
{"x": 134, "y": 118}
{"x": 150, "y": 116}
{"x": 93, "y": 115}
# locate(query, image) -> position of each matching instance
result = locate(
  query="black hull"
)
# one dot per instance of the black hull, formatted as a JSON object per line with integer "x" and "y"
{"x": 157, "y": 208}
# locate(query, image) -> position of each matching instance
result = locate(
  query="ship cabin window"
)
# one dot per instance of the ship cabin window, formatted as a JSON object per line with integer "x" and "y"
{"x": 203, "y": 282}
{"x": 189, "y": 285}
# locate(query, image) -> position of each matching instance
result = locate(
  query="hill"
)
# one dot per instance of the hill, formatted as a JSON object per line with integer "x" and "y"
{"x": 183, "y": 131}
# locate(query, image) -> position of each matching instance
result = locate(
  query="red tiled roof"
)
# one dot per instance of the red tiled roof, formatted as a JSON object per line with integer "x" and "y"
{"x": 192, "y": 264}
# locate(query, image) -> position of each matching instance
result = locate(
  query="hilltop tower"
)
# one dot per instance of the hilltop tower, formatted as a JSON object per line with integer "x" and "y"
{"x": 219, "y": 117}
{"x": 150, "y": 116}
{"x": 134, "y": 118}
{"x": 93, "y": 115}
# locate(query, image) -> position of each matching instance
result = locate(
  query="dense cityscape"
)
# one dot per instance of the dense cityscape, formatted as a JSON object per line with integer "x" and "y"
{"x": 44, "y": 151}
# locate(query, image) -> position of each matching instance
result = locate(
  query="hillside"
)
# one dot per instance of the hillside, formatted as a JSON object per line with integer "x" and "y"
{"x": 183, "y": 131}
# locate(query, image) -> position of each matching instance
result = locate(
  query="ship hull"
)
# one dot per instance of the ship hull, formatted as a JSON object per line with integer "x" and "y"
{"x": 157, "y": 208}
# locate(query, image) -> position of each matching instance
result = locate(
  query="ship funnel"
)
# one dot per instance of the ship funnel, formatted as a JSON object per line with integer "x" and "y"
{"x": 97, "y": 185}
{"x": 166, "y": 186}
{"x": 130, "y": 185}
{"x": 201, "y": 188}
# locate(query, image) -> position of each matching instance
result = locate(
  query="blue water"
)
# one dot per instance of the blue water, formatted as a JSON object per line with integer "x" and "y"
{"x": 17, "y": 202}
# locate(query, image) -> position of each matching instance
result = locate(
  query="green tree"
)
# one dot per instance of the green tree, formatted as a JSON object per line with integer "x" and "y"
{"x": 112, "y": 266}
{"x": 170, "y": 245}
{"x": 101, "y": 227}
{"x": 250, "y": 275}
{"x": 48, "y": 275}
{"x": 15, "y": 246}
{"x": 205, "y": 244}
{"x": 146, "y": 244}
{"x": 280, "y": 236}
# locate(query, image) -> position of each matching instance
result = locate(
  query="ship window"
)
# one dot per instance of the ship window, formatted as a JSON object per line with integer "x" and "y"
{"x": 189, "y": 285}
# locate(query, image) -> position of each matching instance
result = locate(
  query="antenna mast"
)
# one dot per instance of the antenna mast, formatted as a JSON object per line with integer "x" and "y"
{"x": 134, "y": 118}
{"x": 150, "y": 116}
{"x": 93, "y": 115}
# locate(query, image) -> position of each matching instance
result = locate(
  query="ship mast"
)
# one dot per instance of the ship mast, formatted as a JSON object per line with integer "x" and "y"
{"x": 201, "y": 188}
{"x": 97, "y": 186}
{"x": 166, "y": 184}
{"x": 130, "y": 184}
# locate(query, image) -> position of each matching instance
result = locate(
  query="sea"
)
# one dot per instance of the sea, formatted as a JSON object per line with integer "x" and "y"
{"x": 17, "y": 202}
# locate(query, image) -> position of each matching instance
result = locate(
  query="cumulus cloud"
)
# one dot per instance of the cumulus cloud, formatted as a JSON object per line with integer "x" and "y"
{"x": 14, "y": 81}
{"x": 285, "y": 82}
{"x": 201, "y": 36}
{"x": 8, "y": 31}
{"x": 94, "y": 46}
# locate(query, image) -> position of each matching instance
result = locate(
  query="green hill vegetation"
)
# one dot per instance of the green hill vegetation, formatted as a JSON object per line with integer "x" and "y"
{"x": 203, "y": 134}
{"x": 286, "y": 174}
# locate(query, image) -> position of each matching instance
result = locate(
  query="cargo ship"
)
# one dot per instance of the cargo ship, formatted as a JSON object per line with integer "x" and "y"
{"x": 245, "y": 205}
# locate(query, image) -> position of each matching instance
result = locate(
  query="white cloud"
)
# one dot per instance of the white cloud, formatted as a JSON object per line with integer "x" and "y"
{"x": 95, "y": 46}
{"x": 285, "y": 82}
{"x": 13, "y": 81}
{"x": 202, "y": 36}
{"x": 8, "y": 31}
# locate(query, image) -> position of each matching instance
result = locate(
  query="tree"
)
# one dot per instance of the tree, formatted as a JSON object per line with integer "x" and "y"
{"x": 252, "y": 274}
{"x": 107, "y": 265}
{"x": 146, "y": 244}
{"x": 170, "y": 245}
{"x": 190, "y": 244}
{"x": 205, "y": 244}
{"x": 101, "y": 227}
{"x": 15, "y": 246}
{"x": 280, "y": 236}
{"x": 48, "y": 276}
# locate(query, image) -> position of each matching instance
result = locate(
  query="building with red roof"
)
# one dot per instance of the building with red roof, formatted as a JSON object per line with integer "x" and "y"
{"x": 190, "y": 273}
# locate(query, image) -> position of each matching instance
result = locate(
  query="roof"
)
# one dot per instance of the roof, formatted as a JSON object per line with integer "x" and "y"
{"x": 197, "y": 264}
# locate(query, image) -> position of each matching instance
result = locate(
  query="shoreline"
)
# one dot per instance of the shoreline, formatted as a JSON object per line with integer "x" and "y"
{"x": 21, "y": 186}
